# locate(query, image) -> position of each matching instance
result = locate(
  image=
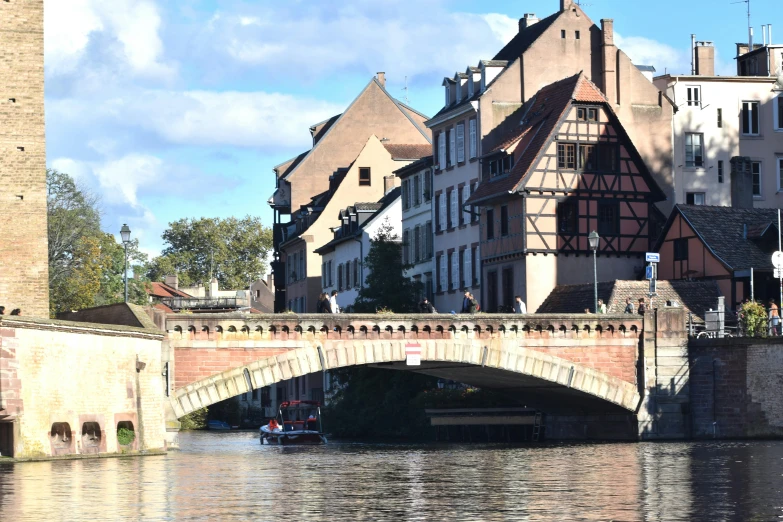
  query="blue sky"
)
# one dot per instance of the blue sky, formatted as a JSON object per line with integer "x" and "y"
{"x": 180, "y": 108}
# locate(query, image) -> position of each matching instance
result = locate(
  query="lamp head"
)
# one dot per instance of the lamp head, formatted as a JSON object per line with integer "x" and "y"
{"x": 593, "y": 239}
{"x": 125, "y": 233}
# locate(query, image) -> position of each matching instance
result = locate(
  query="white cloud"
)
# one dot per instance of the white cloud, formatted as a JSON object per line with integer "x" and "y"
{"x": 133, "y": 25}
{"x": 121, "y": 179}
{"x": 503, "y": 27}
{"x": 645, "y": 51}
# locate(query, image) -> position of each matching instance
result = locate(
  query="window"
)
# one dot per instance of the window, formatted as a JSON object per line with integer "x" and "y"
{"x": 562, "y": 33}
{"x": 364, "y": 175}
{"x": 720, "y": 118}
{"x": 755, "y": 170}
{"x": 473, "y": 139}
{"x": 587, "y": 114}
{"x": 567, "y": 217}
{"x": 439, "y": 271}
{"x": 566, "y": 156}
{"x": 587, "y": 159}
{"x": 576, "y": 35}
{"x": 694, "y": 96}
{"x": 416, "y": 191}
{"x": 437, "y": 212}
{"x": 453, "y": 210}
{"x": 750, "y": 118}
{"x": 468, "y": 266}
{"x": 427, "y": 186}
{"x": 356, "y": 273}
{"x": 441, "y": 151}
{"x": 508, "y": 163}
{"x": 490, "y": 223}
{"x": 460, "y": 143}
{"x": 450, "y": 271}
{"x": 461, "y": 260}
{"x": 329, "y": 271}
{"x": 779, "y": 162}
{"x": 494, "y": 168}
{"x": 680, "y": 249}
{"x": 695, "y": 198}
{"x": 339, "y": 277}
{"x": 694, "y": 155}
{"x": 777, "y": 111}
{"x": 465, "y": 215}
{"x": 607, "y": 158}
{"x": 474, "y": 265}
{"x": 405, "y": 194}
{"x": 720, "y": 171}
{"x": 608, "y": 218}
{"x": 503, "y": 220}
{"x": 406, "y": 255}
{"x": 460, "y": 200}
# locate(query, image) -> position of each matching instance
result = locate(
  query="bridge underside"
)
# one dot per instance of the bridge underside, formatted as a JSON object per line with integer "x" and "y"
{"x": 547, "y": 396}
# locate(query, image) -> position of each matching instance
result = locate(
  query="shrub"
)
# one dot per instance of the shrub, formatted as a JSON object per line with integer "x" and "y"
{"x": 125, "y": 436}
{"x": 195, "y": 420}
{"x": 753, "y": 319}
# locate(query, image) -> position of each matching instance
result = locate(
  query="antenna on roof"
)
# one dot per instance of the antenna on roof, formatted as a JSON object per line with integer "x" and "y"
{"x": 405, "y": 97}
{"x": 750, "y": 29}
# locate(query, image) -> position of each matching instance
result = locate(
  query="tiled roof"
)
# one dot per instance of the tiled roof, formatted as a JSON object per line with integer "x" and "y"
{"x": 695, "y": 296}
{"x": 495, "y": 63}
{"x": 156, "y": 289}
{"x": 407, "y": 151}
{"x": 722, "y": 229}
{"x": 524, "y": 39}
{"x": 462, "y": 103}
{"x": 541, "y": 119}
{"x": 367, "y": 206}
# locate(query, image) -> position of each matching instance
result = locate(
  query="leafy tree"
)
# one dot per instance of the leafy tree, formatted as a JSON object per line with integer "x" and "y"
{"x": 386, "y": 286}
{"x": 112, "y": 289}
{"x": 233, "y": 250}
{"x": 77, "y": 287}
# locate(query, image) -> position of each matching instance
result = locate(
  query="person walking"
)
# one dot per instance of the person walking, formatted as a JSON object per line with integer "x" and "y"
{"x": 323, "y": 304}
{"x": 601, "y": 306}
{"x": 628, "y": 306}
{"x": 642, "y": 308}
{"x": 333, "y": 303}
{"x": 774, "y": 318}
{"x": 519, "y": 305}
{"x": 425, "y": 307}
{"x": 469, "y": 304}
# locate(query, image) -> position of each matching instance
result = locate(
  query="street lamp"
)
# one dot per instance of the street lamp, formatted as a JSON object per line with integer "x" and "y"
{"x": 125, "y": 235}
{"x": 593, "y": 239}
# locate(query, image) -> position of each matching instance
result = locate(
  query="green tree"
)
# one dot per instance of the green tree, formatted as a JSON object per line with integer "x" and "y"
{"x": 112, "y": 289}
{"x": 386, "y": 286}
{"x": 233, "y": 250}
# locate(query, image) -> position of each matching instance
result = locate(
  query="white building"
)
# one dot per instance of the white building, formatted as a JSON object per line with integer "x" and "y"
{"x": 342, "y": 258}
{"x": 723, "y": 117}
{"x": 417, "y": 223}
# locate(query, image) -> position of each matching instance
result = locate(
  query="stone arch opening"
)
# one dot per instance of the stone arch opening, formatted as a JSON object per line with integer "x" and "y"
{"x": 178, "y": 330}
{"x": 232, "y": 329}
{"x": 61, "y": 438}
{"x": 192, "y": 330}
{"x": 92, "y": 437}
{"x": 126, "y": 435}
{"x": 219, "y": 329}
{"x": 246, "y": 330}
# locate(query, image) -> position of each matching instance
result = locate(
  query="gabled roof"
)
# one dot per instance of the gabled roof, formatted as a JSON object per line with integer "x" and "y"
{"x": 540, "y": 123}
{"x": 722, "y": 230}
{"x": 156, "y": 289}
{"x": 408, "y": 151}
{"x": 524, "y": 39}
{"x": 695, "y": 296}
{"x": 289, "y": 165}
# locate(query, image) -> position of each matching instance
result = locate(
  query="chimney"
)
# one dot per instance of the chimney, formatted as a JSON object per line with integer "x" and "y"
{"x": 213, "y": 288}
{"x": 609, "y": 60}
{"x": 566, "y": 5}
{"x": 172, "y": 281}
{"x": 705, "y": 59}
{"x": 764, "y": 35}
{"x": 389, "y": 183}
{"x": 769, "y": 34}
{"x": 527, "y": 20}
{"x": 382, "y": 79}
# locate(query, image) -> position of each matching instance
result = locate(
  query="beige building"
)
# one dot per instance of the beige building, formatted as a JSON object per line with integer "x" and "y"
{"x": 24, "y": 278}
{"x": 304, "y": 183}
{"x": 719, "y": 118}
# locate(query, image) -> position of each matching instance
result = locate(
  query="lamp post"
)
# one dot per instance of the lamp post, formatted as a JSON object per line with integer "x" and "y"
{"x": 125, "y": 235}
{"x": 593, "y": 239}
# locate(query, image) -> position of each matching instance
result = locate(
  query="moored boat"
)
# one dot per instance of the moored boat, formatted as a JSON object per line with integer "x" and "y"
{"x": 297, "y": 422}
{"x": 218, "y": 425}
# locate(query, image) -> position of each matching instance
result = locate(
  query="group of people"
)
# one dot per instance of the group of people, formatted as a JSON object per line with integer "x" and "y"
{"x": 470, "y": 305}
{"x": 328, "y": 304}
{"x": 15, "y": 311}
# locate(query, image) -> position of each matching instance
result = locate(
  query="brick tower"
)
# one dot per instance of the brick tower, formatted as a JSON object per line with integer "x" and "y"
{"x": 24, "y": 272}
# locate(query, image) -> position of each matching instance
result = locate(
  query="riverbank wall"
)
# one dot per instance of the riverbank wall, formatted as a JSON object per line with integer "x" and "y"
{"x": 73, "y": 388}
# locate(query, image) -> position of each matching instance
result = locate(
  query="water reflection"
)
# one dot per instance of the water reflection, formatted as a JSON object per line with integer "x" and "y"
{"x": 230, "y": 476}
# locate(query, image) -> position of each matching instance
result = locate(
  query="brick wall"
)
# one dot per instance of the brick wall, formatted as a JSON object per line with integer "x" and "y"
{"x": 195, "y": 363}
{"x": 736, "y": 388}
{"x": 24, "y": 279}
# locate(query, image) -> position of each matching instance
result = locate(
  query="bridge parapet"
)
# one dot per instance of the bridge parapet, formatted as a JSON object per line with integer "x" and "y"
{"x": 239, "y": 326}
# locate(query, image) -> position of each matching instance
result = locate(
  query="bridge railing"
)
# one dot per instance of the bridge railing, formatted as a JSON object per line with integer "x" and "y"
{"x": 236, "y": 326}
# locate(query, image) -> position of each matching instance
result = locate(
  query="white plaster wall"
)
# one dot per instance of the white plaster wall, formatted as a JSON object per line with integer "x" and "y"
{"x": 419, "y": 215}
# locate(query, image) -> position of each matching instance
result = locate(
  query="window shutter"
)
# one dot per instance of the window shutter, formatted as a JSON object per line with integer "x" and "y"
{"x": 427, "y": 186}
{"x": 405, "y": 204}
{"x": 468, "y": 267}
{"x": 473, "y": 141}
{"x": 465, "y": 196}
{"x": 452, "y": 148}
{"x": 405, "y": 247}
{"x": 442, "y": 275}
{"x": 453, "y": 208}
{"x": 460, "y": 142}
{"x": 443, "y": 211}
{"x": 442, "y": 150}
{"x": 454, "y": 270}
{"x": 428, "y": 240}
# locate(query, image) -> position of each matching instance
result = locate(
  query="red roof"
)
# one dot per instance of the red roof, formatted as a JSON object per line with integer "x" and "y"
{"x": 405, "y": 151}
{"x": 163, "y": 290}
{"x": 541, "y": 121}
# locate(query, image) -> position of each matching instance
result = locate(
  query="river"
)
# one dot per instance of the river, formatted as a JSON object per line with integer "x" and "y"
{"x": 230, "y": 476}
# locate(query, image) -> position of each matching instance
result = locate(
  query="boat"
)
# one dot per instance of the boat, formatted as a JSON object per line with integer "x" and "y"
{"x": 218, "y": 425}
{"x": 297, "y": 422}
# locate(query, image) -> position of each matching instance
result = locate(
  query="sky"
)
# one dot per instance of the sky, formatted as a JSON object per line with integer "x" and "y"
{"x": 180, "y": 108}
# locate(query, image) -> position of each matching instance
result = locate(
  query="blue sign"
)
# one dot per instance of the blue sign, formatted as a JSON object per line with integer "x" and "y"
{"x": 649, "y": 273}
{"x": 652, "y": 257}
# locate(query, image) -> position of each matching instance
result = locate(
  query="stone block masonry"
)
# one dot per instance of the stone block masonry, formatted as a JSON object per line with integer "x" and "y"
{"x": 24, "y": 278}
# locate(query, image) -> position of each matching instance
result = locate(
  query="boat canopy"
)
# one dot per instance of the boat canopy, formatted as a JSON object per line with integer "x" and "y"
{"x": 290, "y": 404}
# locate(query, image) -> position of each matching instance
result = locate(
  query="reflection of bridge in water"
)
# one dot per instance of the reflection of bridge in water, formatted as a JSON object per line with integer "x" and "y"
{"x": 579, "y": 368}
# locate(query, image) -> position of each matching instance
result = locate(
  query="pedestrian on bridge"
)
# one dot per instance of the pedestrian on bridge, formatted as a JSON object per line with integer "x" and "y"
{"x": 425, "y": 307}
{"x": 774, "y": 318}
{"x": 469, "y": 303}
{"x": 519, "y": 305}
{"x": 333, "y": 303}
{"x": 628, "y": 306}
{"x": 324, "y": 307}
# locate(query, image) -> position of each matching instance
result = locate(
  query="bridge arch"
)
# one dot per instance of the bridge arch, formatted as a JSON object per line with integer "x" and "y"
{"x": 327, "y": 354}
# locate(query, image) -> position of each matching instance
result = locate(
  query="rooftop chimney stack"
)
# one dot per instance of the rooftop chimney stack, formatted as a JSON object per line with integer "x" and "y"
{"x": 764, "y": 35}
{"x": 566, "y": 5}
{"x": 609, "y": 60}
{"x": 172, "y": 281}
{"x": 705, "y": 59}
{"x": 527, "y": 20}
{"x": 389, "y": 183}
{"x": 382, "y": 79}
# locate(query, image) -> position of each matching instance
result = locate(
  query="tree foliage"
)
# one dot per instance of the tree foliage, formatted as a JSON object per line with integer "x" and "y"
{"x": 753, "y": 319}
{"x": 233, "y": 250}
{"x": 86, "y": 265}
{"x": 386, "y": 286}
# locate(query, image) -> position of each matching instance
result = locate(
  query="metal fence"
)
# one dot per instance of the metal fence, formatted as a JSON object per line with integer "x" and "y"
{"x": 210, "y": 303}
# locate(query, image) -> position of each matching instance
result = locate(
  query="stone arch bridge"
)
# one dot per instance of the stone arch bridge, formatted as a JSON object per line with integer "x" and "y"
{"x": 571, "y": 365}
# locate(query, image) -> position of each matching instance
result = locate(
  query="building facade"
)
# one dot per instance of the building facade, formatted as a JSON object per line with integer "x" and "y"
{"x": 307, "y": 179}
{"x": 417, "y": 219}
{"x": 571, "y": 168}
{"x": 24, "y": 278}
{"x": 720, "y": 119}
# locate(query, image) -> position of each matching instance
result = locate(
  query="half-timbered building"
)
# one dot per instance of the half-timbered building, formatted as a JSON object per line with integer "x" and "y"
{"x": 568, "y": 168}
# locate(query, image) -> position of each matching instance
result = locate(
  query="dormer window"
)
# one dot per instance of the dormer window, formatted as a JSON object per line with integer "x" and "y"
{"x": 470, "y": 86}
{"x": 448, "y": 95}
